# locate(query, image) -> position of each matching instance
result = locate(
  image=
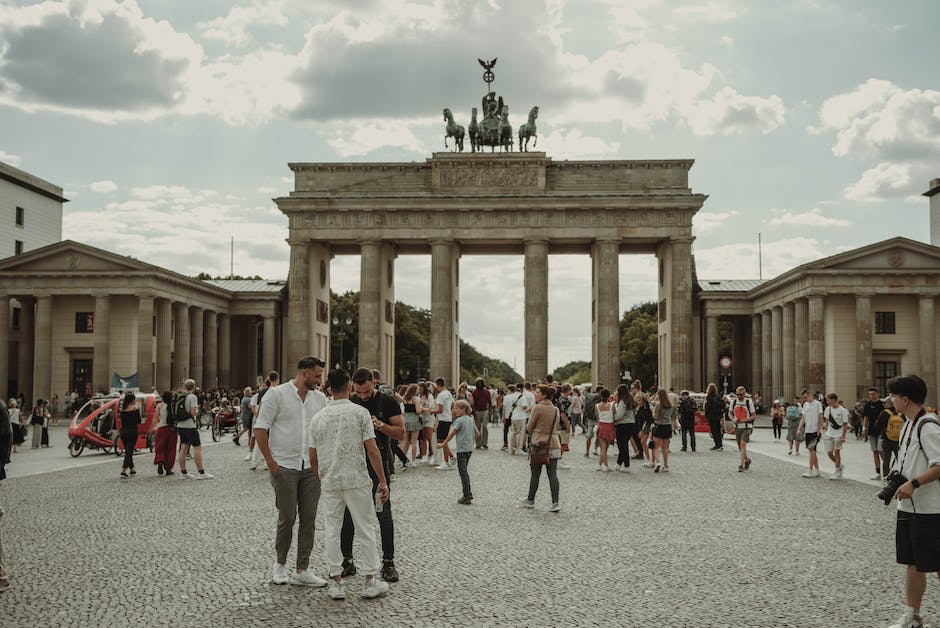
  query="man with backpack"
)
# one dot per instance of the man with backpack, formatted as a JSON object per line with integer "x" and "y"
{"x": 589, "y": 412}
{"x": 891, "y": 423}
{"x": 185, "y": 409}
{"x": 741, "y": 411}
{"x": 686, "y": 410}
{"x": 871, "y": 431}
{"x": 837, "y": 426}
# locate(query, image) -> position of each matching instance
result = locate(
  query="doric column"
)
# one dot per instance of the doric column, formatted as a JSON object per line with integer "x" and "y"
{"x": 4, "y": 346}
{"x": 101, "y": 365}
{"x": 377, "y": 308}
{"x": 181, "y": 344}
{"x": 767, "y": 358}
{"x": 711, "y": 350}
{"x": 42, "y": 362}
{"x": 757, "y": 354}
{"x": 864, "y": 369}
{"x": 320, "y": 257}
{"x": 164, "y": 345}
{"x": 298, "y": 302}
{"x": 145, "y": 342}
{"x": 225, "y": 350}
{"x": 196, "y": 346}
{"x": 445, "y": 347}
{"x": 741, "y": 354}
{"x": 789, "y": 365}
{"x": 680, "y": 318}
{"x": 535, "y": 288}
{"x": 267, "y": 344}
{"x": 928, "y": 343}
{"x": 776, "y": 348}
{"x": 211, "y": 365}
{"x": 605, "y": 310}
{"x": 24, "y": 377}
{"x": 800, "y": 340}
{"x": 816, "y": 344}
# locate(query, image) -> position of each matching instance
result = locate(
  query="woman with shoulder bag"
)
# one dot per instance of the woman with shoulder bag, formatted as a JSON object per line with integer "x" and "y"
{"x": 36, "y": 421}
{"x": 664, "y": 417}
{"x": 130, "y": 419}
{"x": 625, "y": 426}
{"x": 545, "y": 449}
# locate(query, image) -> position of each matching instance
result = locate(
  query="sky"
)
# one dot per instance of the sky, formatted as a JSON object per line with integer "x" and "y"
{"x": 170, "y": 124}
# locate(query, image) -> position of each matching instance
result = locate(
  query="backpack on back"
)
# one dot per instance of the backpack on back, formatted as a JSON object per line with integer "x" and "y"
{"x": 178, "y": 410}
{"x": 589, "y": 410}
{"x": 893, "y": 429}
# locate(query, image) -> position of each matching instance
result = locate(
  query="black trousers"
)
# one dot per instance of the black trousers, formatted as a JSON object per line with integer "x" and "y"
{"x": 506, "y": 424}
{"x": 887, "y": 448}
{"x": 129, "y": 439}
{"x": 463, "y": 459}
{"x": 688, "y": 429}
{"x": 625, "y": 432}
{"x": 552, "y": 470}
{"x": 715, "y": 426}
{"x": 386, "y": 529}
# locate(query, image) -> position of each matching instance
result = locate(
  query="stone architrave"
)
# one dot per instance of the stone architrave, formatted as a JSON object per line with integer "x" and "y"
{"x": 445, "y": 342}
{"x": 816, "y": 344}
{"x": 4, "y": 346}
{"x": 535, "y": 287}
{"x": 145, "y": 363}
{"x": 42, "y": 363}
{"x": 605, "y": 359}
{"x": 101, "y": 365}
{"x": 864, "y": 368}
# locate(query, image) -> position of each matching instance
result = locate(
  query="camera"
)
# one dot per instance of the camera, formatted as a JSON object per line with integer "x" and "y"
{"x": 892, "y": 483}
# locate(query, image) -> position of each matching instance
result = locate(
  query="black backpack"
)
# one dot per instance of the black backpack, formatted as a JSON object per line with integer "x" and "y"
{"x": 177, "y": 411}
{"x": 590, "y": 402}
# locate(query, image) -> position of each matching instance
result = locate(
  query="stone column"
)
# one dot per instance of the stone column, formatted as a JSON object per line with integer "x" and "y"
{"x": 24, "y": 376}
{"x": 711, "y": 350}
{"x": 42, "y": 362}
{"x": 757, "y": 353}
{"x": 816, "y": 344}
{"x": 789, "y": 365}
{"x": 800, "y": 340}
{"x": 298, "y": 302}
{"x": 605, "y": 319}
{"x": 680, "y": 316}
{"x": 225, "y": 350}
{"x": 535, "y": 287}
{"x": 164, "y": 345}
{"x": 196, "y": 346}
{"x": 267, "y": 344}
{"x": 767, "y": 356}
{"x": 864, "y": 367}
{"x": 445, "y": 347}
{"x": 741, "y": 354}
{"x": 928, "y": 342}
{"x": 101, "y": 365}
{"x": 4, "y": 347}
{"x": 319, "y": 260}
{"x": 145, "y": 342}
{"x": 776, "y": 348}
{"x": 181, "y": 344}
{"x": 211, "y": 366}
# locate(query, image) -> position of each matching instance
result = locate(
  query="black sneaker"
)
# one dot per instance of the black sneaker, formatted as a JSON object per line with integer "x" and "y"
{"x": 465, "y": 501}
{"x": 132, "y": 472}
{"x": 389, "y": 573}
{"x": 349, "y": 568}
{"x": 160, "y": 469}
{"x": 683, "y": 449}
{"x": 740, "y": 468}
{"x": 747, "y": 463}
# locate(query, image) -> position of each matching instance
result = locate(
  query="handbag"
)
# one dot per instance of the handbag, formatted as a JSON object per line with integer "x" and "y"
{"x": 539, "y": 449}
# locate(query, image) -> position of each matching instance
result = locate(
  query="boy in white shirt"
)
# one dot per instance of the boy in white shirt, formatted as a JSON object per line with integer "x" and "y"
{"x": 837, "y": 424}
{"x": 810, "y": 426}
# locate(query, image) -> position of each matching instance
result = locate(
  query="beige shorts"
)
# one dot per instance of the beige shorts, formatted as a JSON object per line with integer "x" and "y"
{"x": 831, "y": 444}
{"x": 742, "y": 436}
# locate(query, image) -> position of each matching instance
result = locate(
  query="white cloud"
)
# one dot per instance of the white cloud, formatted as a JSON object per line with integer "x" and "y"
{"x": 740, "y": 260}
{"x": 726, "y": 40}
{"x": 232, "y": 28}
{"x": 811, "y": 218}
{"x": 706, "y": 221}
{"x": 708, "y": 12}
{"x": 361, "y": 139}
{"x": 10, "y": 158}
{"x": 104, "y": 187}
{"x": 730, "y": 113}
{"x": 573, "y": 144}
{"x": 889, "y": 181}
{"x": 264, "y": 189}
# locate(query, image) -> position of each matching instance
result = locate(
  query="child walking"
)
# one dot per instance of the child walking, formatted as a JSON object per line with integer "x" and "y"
{"x": 465, "y": 433}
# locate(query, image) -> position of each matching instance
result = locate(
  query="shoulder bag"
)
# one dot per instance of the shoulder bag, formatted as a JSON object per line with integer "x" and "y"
{"x": 539, "y": 448}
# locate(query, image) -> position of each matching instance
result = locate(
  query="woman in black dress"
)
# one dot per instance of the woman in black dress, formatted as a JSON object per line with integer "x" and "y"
{"x": 130, "y": 419}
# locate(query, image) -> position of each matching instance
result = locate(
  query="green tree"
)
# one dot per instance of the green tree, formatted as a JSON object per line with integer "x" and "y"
{"x": 639, "y": 343}
{"x": 574, "y": 372}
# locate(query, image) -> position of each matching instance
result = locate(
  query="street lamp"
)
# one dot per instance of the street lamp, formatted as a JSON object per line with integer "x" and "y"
{"x": 341, "y": 334}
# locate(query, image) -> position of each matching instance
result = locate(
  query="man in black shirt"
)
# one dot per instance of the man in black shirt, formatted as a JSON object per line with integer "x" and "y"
{"x": 871, "y": 430}
{"x": 389, "y": 426}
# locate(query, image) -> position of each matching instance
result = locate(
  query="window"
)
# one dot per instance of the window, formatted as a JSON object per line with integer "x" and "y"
{"x": 20, "y": 216}
{"x": 17, "y": 247}
{"x": 84, "y": 322}
{"x": 884, "y": 322}
{"x": 883, "y": 372}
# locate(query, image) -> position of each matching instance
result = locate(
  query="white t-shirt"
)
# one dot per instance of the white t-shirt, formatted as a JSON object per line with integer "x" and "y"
{"x": 445, "y": 400}
{"x": 811, "y": 411}
{"x": 913, "y": 460}
{"x": 841, "y": 415}
{"x": 192, "y": 401}
{"x": 528, "y": 401}
{"x": 518, "y": 414}
{"x": 284, "y": 414}
{"x": 337, "y": 432}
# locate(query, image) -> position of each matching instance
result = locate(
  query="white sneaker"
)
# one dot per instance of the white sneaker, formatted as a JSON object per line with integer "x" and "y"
{"x": 184, "y": 476}
{"x": 876, "y": 476}
{"x": 374, "y": 588}
{"x": 837, "y": 474}
{"x": 525, "y": 503}
{"x": 337, "y": 590}
{"x": 252, "y": 466}
{"x": 443, "y": 467}
{"x": 554, "y": 507}
{"x": 648, "y": 465}
{"x": 247, "y": 455}
{"x": 815, "y": 473}
{"x": 279, "y": 574}
{"x": 808, "y": 474}
{"x": 205, "y": 475}
{"x": 307, "y": 578}
{"x": 606, "y": 469}
{"x": 665, "y": 469}
{"x": 563, "y": 465}
{"x": 908, "y": 620}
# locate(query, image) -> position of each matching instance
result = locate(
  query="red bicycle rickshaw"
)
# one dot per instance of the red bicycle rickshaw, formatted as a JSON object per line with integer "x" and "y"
{"x": 97, "y": 424}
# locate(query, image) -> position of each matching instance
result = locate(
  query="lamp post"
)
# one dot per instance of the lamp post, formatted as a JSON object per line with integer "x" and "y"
{"x": 341, "y": 335}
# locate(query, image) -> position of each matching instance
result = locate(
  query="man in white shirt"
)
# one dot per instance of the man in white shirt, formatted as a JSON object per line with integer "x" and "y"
{"x": 189, "y": 434}
{"x": 443, "y": 402}
{"x": 837, "y": 424}
{"x": 918, "y": 497}
{"x": 514, "y": 406}
{"x": 810, "y": 425}
{"x": 279, "y": 434}
{"x": 335, "y": 439}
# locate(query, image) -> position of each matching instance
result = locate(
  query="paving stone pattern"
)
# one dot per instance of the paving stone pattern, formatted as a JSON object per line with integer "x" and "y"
{"x": 702, "y": 545}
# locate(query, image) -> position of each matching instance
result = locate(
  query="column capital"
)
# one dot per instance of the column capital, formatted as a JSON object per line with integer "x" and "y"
{"x": 298, "y": 242}
{"x": 683, "y": 239}
{"x": 441, "y": 241}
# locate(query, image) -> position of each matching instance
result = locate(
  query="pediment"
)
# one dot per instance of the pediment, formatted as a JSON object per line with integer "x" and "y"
{"x": 890, "y": 255}
{"x": 69, "y": 257}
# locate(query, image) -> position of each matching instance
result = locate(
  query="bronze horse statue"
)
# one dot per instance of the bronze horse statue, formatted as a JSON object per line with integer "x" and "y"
{"x": 473, "y": 130}
{"x": 528, "y": 130}
{"x": 454, "y": 130}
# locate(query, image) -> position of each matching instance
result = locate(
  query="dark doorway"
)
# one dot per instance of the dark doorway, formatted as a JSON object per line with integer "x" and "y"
{"x": 81, "y": 377}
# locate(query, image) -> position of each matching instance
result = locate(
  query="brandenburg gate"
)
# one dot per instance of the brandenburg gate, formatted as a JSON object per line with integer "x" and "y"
{"x": 457, "y": 204}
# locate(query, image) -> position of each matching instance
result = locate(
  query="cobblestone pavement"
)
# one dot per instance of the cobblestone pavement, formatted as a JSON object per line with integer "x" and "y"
{"x": 702, "y": 545}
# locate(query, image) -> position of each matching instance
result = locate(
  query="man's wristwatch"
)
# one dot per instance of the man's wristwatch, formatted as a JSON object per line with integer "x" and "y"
{"x": 915, "y": 483}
